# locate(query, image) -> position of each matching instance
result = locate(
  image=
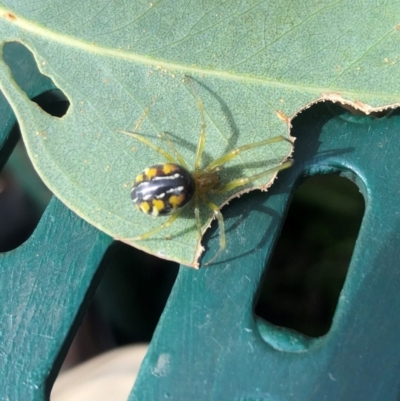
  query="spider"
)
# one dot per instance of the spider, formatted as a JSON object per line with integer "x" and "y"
{"x": 165, "y": 189}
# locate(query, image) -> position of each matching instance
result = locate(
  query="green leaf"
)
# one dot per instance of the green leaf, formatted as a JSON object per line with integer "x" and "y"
{"x": 254, "y": 66}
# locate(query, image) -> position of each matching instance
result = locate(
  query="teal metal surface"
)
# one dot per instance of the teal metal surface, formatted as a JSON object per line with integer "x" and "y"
{"x": 43, "y": 292}
{"x": 210, "y": 346}
{"x": 47, "y": 283}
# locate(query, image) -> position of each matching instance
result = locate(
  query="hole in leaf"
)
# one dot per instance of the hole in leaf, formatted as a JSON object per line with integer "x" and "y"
{"x": 53, "y": 102}
{"x": 310, "y": 261}
{"x": 38, "y": 87}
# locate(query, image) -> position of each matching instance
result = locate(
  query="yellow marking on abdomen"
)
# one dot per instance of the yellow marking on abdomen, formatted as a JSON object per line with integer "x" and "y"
{"x": 145, "y": 207}
{"x": 176, "y": 200}
{"x": 169, "y": 168}
{"x": 139, "y": 178}
{"x": 150, "y": 173}
{"x": 158, "y": 205}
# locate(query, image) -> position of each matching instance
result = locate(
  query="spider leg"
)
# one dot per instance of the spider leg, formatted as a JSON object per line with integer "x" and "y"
{"x": 233, "y": 153}
{"x": 221, "y": 225}
{"x": 157, "y": 229}
{"x": 229, "y": 186}
{"x": 178, "y": 156}
{"x": 144, "y": 140}
{"x": 197, "y": 214}
{"x": 243, "y": 181}
{"x": 144, "y": 114}
{"x": 202, "y": 136}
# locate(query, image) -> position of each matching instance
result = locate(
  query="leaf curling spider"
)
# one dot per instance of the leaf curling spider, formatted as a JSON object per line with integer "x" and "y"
{"x": 165, "y": 189}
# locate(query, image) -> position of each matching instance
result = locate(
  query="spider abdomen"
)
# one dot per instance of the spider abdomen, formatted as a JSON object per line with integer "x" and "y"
{"x": 162, "y": 189}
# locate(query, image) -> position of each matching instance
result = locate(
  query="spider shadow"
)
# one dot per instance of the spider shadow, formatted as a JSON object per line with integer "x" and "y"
{"x": 192, "y": 147}
{"x": 240, "y": 215}
{"x": 308, "y": 128}
{"x": 307, "y": 151}
{"x": 239, "y": 210}
{"x": 233, "y": 140}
